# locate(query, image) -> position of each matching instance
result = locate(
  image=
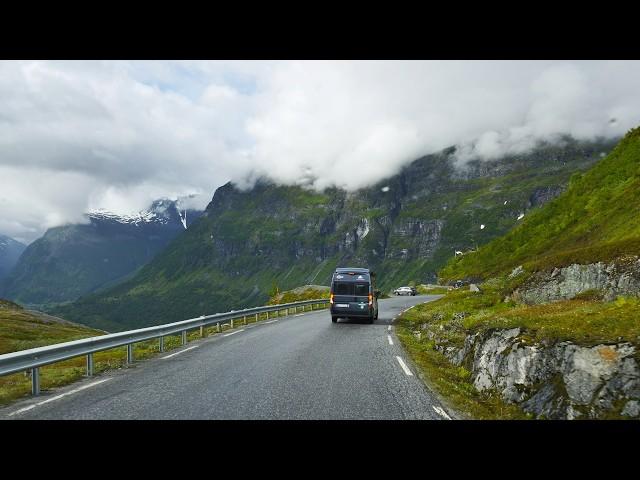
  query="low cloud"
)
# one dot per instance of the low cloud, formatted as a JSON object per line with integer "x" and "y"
{"x": 81, "y": 135}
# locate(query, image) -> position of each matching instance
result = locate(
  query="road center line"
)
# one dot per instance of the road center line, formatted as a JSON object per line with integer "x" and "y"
{"x": 389, "y": 338}
{"x": 404, "y": 366}
{"x": 233, "y": 333}
{"x": 57, "y": 397}
{"x": 440, "y": 411}
{"x": 181, "y": 351}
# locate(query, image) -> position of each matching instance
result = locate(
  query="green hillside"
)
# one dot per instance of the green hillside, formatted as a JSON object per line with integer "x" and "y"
{"x": 596, "y": 219}
{"x": 405, "y": 228}
{"x": 22, "y": 329}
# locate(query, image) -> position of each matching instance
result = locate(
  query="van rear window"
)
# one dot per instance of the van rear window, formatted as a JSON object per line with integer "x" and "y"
{"x": 349, "y": 288}
{"x": 343, "y": 288}
{"x": 362, "y": 289}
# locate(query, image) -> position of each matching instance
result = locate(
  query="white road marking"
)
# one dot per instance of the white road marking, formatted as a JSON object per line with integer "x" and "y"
{"x": 181, "y": 351}
{"x": 233, "y": 333}
{"x": 23, "y": 409}
{"x": 389, "y": 328}
{"x": 57, "y": 397}
{"x": 389, "y": 338}
{"x": 441, "y": 412}
{"x": 271, "y": 321}
{"x": 299, "y": 315}
{"x": 404, "y": 366}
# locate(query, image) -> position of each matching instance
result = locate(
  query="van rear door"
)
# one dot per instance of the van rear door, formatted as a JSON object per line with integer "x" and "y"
{"x": 351, "y": 298}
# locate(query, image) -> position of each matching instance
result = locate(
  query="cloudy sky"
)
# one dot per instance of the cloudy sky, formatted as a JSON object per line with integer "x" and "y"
{"x": 80, "y": 135}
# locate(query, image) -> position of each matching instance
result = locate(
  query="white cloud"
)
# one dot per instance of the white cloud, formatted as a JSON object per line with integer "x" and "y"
{"x": 80, "y": 135}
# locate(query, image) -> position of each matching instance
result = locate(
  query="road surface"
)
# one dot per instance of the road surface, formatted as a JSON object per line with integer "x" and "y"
{"x": 297, "y": 367}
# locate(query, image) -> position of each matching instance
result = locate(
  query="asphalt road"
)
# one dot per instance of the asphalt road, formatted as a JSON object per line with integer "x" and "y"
{"x": 297, "y": 367}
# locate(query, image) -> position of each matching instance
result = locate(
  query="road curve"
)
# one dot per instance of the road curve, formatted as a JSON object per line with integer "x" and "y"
{"x": 298, "y": 367}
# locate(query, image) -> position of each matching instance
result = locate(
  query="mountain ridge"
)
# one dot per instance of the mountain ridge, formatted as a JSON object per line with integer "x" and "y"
{"x": 10, "y": 251}
{"x": 74, "y": 259}
{"x": 405, "y": 227}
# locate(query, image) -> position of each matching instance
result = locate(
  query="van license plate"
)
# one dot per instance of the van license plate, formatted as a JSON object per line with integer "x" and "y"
{"x": 342, "y": 305}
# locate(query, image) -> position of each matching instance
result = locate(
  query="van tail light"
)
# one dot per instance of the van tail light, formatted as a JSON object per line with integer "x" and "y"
{"x": 331, "y": 299}
{"x": 370, "y": 299}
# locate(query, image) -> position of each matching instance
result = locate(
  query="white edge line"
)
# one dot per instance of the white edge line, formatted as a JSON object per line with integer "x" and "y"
{"x": 181, "y": 351}
{"x": 389, "y": 338}
{"x": 57, "y": 397}
{"x": 440, "y": 411}
{"x": 404, "y": 366}
{"x": 271, "y": 321}
{"x": 299, "y": 315}
{"x": 233, "y": 333}
{"x": 389, "y": 328}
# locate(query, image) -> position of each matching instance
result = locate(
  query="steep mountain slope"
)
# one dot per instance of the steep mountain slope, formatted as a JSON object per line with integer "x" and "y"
{"x": 72, "y": 260}
{"x": 10, "y": 251}
{"x": 596, "y": 219}
{"x": 553, "y": 327}
{"x": 405, "y": 228}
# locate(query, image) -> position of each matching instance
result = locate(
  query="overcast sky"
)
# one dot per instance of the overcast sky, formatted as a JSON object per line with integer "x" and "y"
{"x": 80, "y": 135}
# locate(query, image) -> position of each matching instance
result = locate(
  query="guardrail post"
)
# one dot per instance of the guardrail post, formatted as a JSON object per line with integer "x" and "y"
{"x": 184, "y": 337}
{"x": 35, "y": 381}
{"x": 232, "y": 323}
{"x": 90, "y": 365}
{"x": 130, "y": 353}
{"x": 245, "y": 319}
{"x": 218, "y": 325}
{"x": 257, "y": 317}
{"x": 161, "y": 344}
{"x": 202, "y": 331}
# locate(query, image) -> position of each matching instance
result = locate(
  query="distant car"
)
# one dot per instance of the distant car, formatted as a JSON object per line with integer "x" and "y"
{"x": 405, "y": 291}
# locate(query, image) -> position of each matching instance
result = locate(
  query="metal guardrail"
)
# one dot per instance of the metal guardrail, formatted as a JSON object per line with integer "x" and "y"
{"x": 34, "y": 358}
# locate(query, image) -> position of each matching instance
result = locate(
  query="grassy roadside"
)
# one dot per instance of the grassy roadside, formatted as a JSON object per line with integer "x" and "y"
{"x": 585, "y": 320}
{"x": 451, "y": 383}
{"x": 20, "y": 330}
{"x": 431, "y": 290}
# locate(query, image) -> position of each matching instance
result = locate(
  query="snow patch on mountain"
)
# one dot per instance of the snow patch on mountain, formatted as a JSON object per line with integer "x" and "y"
{"x": 136, "y": 219}
{"x": 162, "y": 212}
{"x": 183, "y": 219}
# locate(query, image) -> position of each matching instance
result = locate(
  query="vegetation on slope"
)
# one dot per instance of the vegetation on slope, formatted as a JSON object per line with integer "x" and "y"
{"x": 306, "y": 292}
{"x": 596, "y": 219}
{"x": 584, "y": 321}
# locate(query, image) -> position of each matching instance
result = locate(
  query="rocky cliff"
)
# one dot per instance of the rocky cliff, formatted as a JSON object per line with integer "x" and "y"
{"x": 606, "y": 280}
{"x": 553, "y": 380}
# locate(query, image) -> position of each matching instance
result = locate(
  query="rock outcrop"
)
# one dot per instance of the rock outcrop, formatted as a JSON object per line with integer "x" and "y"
{"x": 555, "y": 380}
{"x": 611, "y": 279}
